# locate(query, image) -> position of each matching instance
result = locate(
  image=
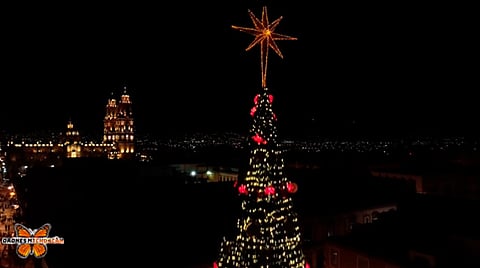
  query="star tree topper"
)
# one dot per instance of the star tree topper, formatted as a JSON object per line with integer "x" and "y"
{"x": 265, "y": 35}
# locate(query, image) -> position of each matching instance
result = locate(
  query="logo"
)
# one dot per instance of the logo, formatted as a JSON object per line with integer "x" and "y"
{"x": 32, "y": 242}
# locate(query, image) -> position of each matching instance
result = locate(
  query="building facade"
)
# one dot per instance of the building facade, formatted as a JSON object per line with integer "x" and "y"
{"x": 118, "y": 141}
{"x": 118, "y": 127}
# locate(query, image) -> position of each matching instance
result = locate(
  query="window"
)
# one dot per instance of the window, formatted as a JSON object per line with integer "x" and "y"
{"x": 375, "y": 215}
{"x": 334, "y": 257}
{"x": 362, "y": 262}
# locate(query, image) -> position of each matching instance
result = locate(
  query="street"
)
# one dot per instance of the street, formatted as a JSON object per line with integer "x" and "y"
{"x": 8, "y": 209}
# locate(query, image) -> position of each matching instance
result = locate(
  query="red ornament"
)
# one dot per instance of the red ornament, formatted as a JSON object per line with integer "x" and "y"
{"x": 270, "y": 98}
{"x": 255, "y": 100}
{"x": 242, "y": 189}
{"x": 292, "y": 187}
{"x": 253, "y": 110}
{"x": 259, "y": 140}
{"x": 270, "y": 190}
{"x": 215, "y": 265}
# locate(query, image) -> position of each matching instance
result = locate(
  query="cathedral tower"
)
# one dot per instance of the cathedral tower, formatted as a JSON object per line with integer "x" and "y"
{"x": 119, "y": 127}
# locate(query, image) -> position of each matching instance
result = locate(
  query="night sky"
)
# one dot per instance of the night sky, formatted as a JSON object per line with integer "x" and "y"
{"x": 355, "y": 69}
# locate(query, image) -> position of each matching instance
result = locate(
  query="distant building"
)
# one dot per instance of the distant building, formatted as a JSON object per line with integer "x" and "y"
{"x": 340, "y": 223}
{"x": 72, "y": 146}
{"x": 206, "y": 173}
{"x": 414, "y": 179}
{"x": 425, "y": 232}
{"x": 450, "y": 181}
{"x": 119, "y": 128}
{"x": 118, "y": 141}
{"x": 318, "y": 228}
{"x": 344, "y": 255}
{"x": 72, "y": 141}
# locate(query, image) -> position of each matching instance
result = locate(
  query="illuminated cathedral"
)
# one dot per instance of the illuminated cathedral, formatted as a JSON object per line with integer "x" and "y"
{"x": 118, "y": 127}
{"x": 118, "y": 141}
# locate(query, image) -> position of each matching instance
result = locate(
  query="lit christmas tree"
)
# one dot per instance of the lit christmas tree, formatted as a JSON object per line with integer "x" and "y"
{"x": 267, "y": 231}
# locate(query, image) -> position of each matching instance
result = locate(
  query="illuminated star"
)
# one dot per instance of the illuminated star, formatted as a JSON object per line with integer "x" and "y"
{"x": 265, "y": 35}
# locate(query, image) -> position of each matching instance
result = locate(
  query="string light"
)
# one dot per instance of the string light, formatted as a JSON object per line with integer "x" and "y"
{"x": 265, "y": 36}
{"x": 268, "y": 234}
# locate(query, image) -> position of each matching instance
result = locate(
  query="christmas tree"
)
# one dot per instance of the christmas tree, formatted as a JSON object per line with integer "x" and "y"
{"x": 267, "y": 232}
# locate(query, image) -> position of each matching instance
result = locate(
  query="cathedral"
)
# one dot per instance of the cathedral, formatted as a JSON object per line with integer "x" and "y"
{"x": 118, "y": 127}
{"x": 118, "y": 141}
{"x": 118, "y": 133}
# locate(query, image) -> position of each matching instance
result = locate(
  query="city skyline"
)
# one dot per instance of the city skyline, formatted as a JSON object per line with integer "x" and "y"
{"x": 353, "y": 70}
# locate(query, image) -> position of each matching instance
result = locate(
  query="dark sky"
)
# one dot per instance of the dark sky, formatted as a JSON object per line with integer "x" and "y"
{"x": 365, "y": 69}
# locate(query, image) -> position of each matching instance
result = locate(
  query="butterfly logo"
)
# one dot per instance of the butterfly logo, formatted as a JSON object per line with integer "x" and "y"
{"x": 38, "y": 250}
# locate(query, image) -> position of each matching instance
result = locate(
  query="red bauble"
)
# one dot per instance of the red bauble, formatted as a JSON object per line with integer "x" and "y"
{"x": 258, "y": 139}
{"x": 255, "y": 100}
{"x": 270, "y": 190}
{"x": 242, "y": 189}
{"x": 292, "y": 187}
{"x": 253, "y": 110}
